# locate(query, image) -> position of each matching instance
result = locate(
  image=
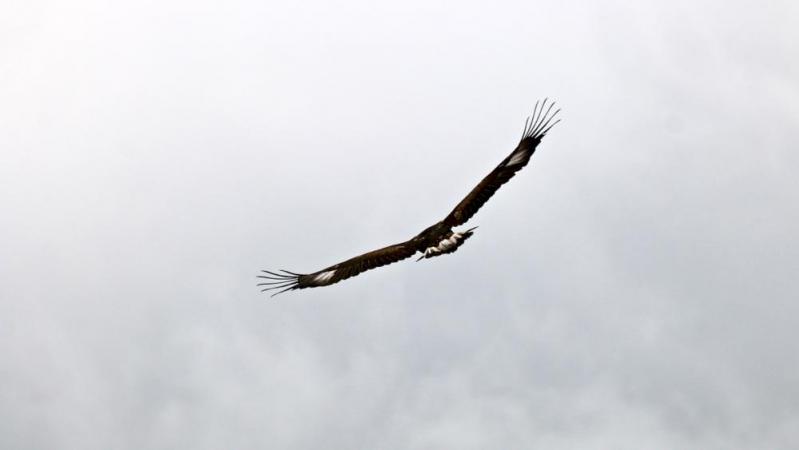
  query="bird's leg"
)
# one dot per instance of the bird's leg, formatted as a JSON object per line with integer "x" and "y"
{"x": 429, "y": 253}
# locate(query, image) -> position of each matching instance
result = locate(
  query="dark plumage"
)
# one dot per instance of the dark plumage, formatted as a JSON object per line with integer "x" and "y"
{"x": 439, "y": 238}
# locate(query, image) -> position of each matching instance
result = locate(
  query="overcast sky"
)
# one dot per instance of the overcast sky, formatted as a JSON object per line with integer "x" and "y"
{"x": 635, "y": 287}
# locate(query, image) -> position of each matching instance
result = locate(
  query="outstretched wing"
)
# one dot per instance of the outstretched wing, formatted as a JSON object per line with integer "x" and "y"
{"x": 535, "y": 128}
{"x": 288, "y": 281}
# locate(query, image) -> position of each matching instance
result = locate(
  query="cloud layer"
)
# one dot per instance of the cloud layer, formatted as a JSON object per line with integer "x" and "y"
{"x": 634, "y": 287}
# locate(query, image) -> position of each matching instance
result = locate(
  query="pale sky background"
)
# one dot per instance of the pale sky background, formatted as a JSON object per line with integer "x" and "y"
{"x": 635, "y": 287}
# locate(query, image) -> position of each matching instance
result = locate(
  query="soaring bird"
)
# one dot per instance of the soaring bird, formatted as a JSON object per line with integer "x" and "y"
{"x": 438, "y": 239}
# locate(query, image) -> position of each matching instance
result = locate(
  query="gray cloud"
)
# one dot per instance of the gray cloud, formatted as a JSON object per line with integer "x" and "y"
{"x": 633, "y": 288}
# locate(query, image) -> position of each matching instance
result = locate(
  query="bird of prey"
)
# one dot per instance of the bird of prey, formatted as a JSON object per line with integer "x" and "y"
{"x": 438, "y": 239}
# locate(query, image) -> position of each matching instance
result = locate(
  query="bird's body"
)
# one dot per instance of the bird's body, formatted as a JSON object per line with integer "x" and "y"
{"x": 438, "y": 239}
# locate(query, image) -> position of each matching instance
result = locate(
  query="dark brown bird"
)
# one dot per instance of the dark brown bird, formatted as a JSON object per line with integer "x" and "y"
{"x": 438, "y": 239}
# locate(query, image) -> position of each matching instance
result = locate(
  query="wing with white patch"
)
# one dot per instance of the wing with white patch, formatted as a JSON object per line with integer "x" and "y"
{"x": 535, "y": 128}
{"x": 287, "y": 281}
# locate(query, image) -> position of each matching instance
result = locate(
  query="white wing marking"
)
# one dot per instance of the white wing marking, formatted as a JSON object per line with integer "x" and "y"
{"x": 324, "y": 276}
{"x": 516, "y": 158}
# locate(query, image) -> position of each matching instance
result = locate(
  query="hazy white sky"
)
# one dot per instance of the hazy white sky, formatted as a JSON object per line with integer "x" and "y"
{"x": 633, "y": 288}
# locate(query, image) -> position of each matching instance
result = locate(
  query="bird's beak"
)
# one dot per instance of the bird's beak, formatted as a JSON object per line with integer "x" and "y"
{"x": 420, "y": 258}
